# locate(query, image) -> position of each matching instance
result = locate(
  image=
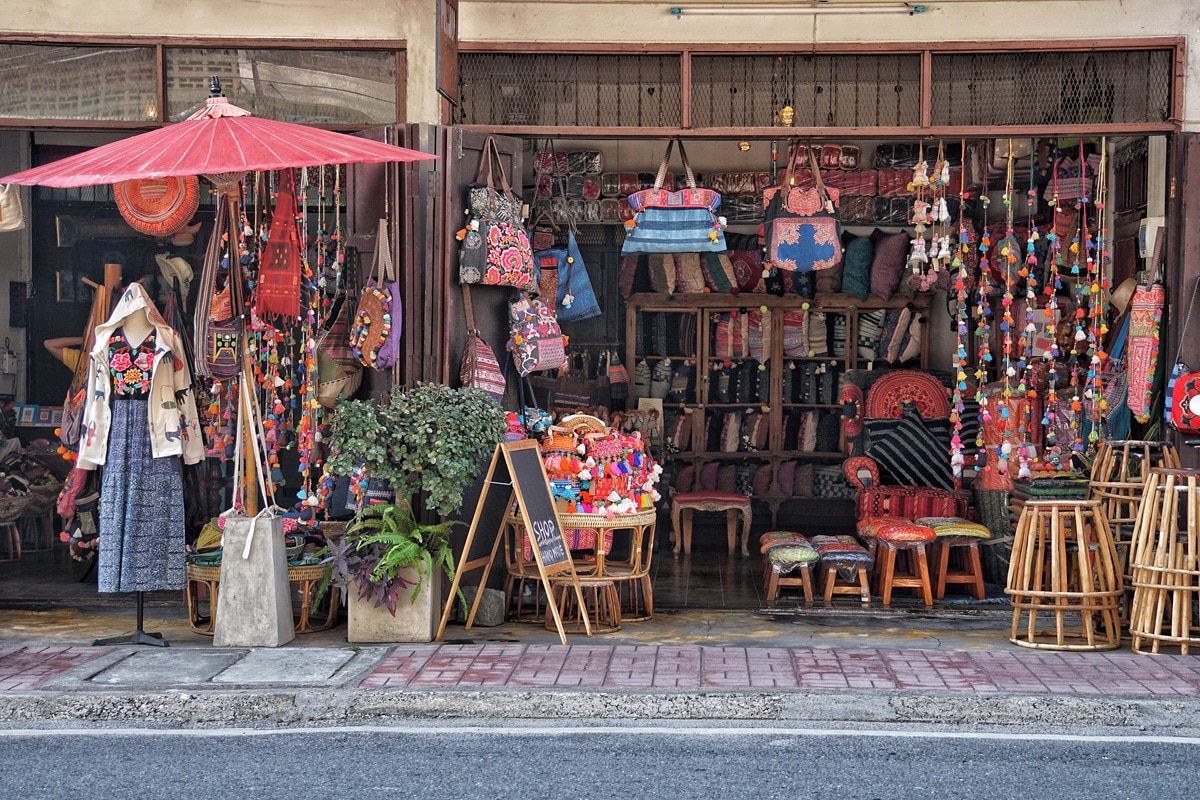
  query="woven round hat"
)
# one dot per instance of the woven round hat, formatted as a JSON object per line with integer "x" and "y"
{"x": 158, "y": 206}
{"x": 1120, "y": 297}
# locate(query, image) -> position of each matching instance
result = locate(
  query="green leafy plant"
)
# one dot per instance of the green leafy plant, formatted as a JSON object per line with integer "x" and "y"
{"x": 429, "y": 439}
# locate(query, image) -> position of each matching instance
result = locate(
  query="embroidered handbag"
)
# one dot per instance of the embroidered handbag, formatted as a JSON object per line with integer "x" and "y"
{"x": 576, "y": 297}
{"x": 1183, "y": 388}
{"x": 683, "y": 221}
{"x": 536, "y": 341}
{"x": 480, "y": 369}
{"x": 801, "y": 226}
{"x": 373, "y": 316}
{"x": 495, "y": 247}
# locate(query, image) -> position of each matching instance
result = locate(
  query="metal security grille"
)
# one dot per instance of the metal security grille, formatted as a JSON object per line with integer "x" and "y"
{"x": 1052, "y": 88}
{"x": 628, "y": 91}
{"x": 844, "y": 91}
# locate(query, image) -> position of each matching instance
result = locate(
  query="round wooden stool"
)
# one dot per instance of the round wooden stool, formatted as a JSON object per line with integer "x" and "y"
{"x": 601, "y": 602}
{"x": 1064, "y": 566}
{"x": 1166, "y": 563}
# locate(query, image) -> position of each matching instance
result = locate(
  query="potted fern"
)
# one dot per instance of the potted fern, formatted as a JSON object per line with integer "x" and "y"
{"x": 429, "y": 442}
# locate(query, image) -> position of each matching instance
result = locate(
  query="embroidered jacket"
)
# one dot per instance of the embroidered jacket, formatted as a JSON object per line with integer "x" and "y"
{"x": 174, "y": 425}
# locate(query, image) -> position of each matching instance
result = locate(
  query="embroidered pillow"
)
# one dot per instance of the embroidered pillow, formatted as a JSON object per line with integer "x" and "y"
{"x": 912, "y": 456}
{"x": 887, "y": 262}
{"x": 708, "y": 476}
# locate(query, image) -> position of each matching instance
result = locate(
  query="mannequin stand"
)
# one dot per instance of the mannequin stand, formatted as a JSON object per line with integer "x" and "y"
{"x": 139, "y": 636}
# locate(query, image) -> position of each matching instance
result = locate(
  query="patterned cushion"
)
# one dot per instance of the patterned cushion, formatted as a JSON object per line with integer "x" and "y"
{"x": 829, "y": 482}
{"x": 940, "y": 427}
{"x": 955, "y": 526}
{"x": 792, "y": 554}
{"x": 841, "y": 551}
{"x": 887, "y": 262}
{"x": 912, "y": 456}
{"x": 859, "y": 252}
{"x": 773, "y": 539}
{"x": 869, "y": 528}
{"x": 904, "y": 531}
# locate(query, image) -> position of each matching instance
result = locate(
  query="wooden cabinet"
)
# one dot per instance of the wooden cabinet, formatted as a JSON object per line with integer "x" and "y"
{"x": 759, "y": 376}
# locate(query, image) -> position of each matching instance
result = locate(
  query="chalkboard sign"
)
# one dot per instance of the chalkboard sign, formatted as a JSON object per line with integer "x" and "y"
{"x": 532, "y": 489}
{"x": 517, "y": 472}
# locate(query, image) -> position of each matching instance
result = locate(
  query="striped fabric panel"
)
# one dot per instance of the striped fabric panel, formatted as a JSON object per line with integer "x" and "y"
{"x": 912, "y": 456}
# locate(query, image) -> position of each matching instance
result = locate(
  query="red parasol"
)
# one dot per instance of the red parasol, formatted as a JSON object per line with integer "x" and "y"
{"x": 218, "y": 139}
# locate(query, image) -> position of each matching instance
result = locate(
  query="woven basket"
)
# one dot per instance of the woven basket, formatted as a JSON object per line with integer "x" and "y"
{"x": 12, "y": 507}
{"x": 42, "y": 499}
{"x": 992, "y": 505}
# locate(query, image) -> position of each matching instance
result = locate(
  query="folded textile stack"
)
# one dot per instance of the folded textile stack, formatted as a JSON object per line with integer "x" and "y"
{"x": 1061, "y": 486}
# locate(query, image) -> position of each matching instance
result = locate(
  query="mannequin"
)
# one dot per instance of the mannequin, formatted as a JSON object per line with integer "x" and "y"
{"x": 139, "y": 422}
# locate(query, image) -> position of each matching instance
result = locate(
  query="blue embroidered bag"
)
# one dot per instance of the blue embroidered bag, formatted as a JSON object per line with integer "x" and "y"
{"x": 682, "y": 221}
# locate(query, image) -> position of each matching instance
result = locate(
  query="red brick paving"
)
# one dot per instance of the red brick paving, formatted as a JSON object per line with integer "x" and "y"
{"x": 23, "y": 668}
{"x": 700, "y": 668}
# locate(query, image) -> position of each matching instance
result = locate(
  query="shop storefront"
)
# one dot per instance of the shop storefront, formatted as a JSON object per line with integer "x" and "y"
{"x": 1065, "y": 159}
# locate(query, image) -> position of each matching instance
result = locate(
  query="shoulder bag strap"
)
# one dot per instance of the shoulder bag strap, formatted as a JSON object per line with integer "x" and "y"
{"x": 816, "y": 173}
{"x": 485, "y": 163}
{"x": 687, "y": 168}
{"x": 469, "y": 310}
{"x": 661, "y": 177}
{"x": 504, "y": 184}
{"x": 384, "y": 270}
{"x": 789, "y": 173}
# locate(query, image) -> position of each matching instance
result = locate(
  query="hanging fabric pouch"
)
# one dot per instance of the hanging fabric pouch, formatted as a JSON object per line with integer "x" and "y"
{"x": 801, "y": 226}
{"x": 682, "y": 221}
{"x": 479, "y": 369}
{"x": 576, "y": 298}
{"x": 536, "y": 341}
{"x": 385, "y": 282}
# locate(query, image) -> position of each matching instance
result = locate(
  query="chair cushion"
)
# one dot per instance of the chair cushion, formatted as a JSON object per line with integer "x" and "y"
{"x": 790, "y": 554}
{"x": 869, "y": 527}
{"x": 912, "y": 456}
{"x": 841, "y": 551}
{"x": 771, "y": 538}
{"x": 711, "y": 496}
{"x": 955, "y": 526}
{"x": 904, "y": 531}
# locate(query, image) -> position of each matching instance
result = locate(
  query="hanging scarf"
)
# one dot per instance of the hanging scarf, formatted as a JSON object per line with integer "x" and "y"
{"x": 278, "y": 290}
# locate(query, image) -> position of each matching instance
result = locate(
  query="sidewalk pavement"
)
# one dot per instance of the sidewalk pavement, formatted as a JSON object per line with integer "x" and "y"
{"x": 815, "y": 665}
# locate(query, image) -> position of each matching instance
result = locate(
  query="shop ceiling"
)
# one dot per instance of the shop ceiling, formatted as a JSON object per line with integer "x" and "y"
{"x": 1122, "y": 86}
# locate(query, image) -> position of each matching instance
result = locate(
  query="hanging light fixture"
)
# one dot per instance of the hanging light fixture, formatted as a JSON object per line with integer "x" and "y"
{"x": 909, "y": 9}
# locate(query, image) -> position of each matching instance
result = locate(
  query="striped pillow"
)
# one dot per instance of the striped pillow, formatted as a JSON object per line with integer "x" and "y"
{"x": 912, "y": 456}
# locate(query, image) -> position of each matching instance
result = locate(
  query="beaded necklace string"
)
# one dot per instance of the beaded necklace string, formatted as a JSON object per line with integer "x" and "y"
{"x": 1028, "y": 272}
{"x": 1053, "y": 285}
{"x": 960, "y": 327}
{"x": 1081, "y": 291}
{"x": 983, "y": 329}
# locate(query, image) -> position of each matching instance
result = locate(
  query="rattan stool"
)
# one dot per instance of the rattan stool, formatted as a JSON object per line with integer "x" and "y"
{"x": 210, "y": 579}
{"x": 1166, "y": 564}
{"x": 602, "y": 604}
{"x": 305, "y": 578}
{"x": 1118, "y": 479}
{"x": 1064, "y": 565}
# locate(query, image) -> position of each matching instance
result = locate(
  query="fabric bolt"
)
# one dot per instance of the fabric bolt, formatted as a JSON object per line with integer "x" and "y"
{"x": 141, "y": 516}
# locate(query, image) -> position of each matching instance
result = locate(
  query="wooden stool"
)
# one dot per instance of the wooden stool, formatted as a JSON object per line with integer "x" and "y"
{"x": 789, "y": 559}
{"x": 602, "y": 604}
{"x": 957, "y": 560}
{"x": 1166, "y": 563}
{"x": 915, "y": 574}
{"x": 1064, "y": 563}
{"x": 774, "y": 581}
{"x": 1118, "y": 479}
{"x": 956, "y": 555}
{"x": 843, "y": 553}
{"x": 684, "y": 505}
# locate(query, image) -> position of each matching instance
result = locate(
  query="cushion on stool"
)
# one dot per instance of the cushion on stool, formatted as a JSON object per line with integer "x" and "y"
{"x": 711, "y": 496}
{"x": 955, "y": 526}
{"x": 774, "y": 539}
{"x": 841, "y": 551}
{"x": 869, "y": 527}
{"x": 905, "y": 532}
{"x": 787, "y": 557}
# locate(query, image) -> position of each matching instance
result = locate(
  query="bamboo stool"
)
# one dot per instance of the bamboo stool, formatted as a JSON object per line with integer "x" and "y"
{"x": 1064, "y": 564}
{"x": 1117, "y": 479}
{"x": 601, "y": 602}
{"x": 1166, "y": 563}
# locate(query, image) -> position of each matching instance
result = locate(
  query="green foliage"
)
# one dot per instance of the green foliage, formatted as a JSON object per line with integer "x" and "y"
{"x": 429, "y": 439}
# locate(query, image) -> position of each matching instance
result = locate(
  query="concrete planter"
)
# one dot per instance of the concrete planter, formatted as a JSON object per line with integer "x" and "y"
{"x": 413, "y": 622}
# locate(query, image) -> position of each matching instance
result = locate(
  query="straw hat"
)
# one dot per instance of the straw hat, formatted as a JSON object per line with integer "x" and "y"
{"x": 176, "y": 267}
{"x": 1120, "y": 297}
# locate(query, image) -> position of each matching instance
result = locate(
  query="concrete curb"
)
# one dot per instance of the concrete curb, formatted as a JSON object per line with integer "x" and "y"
{"x": 289, "y": 707}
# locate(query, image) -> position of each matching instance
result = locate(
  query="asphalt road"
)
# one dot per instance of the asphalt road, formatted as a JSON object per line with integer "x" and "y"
{"x": 515, "y": 760}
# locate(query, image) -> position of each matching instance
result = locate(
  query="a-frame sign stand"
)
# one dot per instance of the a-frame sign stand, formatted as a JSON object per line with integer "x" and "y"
{"x": 517, "y": 471}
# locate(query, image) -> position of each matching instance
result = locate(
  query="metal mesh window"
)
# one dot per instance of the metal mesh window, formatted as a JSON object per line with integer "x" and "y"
{"x": 846, "y": 91}
{"x": 1049, "y": 88}
{"x": 77, "y": 83}
{"x": 585, "y": 91}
